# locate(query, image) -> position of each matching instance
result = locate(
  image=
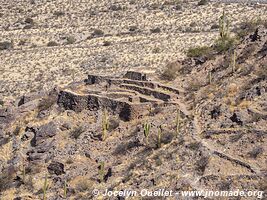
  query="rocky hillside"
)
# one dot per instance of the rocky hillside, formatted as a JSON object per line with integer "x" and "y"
{"x": 48, "y": 43}
{"x": 204, "y": 130}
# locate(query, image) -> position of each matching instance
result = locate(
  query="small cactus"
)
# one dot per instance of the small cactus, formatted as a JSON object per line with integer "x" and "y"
{"x": 65, "y": 189}
{"x": 224, "y": 26}
{"x": 105, "y": 125}
{"x": 178, "y": 121}
{"x": 45, "y": 187}
{"x": 210, "y": 78}
{"x": 159, "y": 136}
{"x": 147, "y": 127}
{"x": 23, "y": 173}
{"x": 101, "y": 171}
{"x": 233, "y": 62}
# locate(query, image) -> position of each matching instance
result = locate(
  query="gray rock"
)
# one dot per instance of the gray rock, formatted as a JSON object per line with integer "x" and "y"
{"x": 56, "y": 168}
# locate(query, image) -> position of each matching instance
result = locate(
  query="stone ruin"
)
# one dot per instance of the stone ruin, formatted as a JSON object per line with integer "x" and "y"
{"x": 130, "y": 96}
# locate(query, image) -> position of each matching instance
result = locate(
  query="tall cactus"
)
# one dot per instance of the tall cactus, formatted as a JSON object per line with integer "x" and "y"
{"x": 233, "y": 62}
{"x": 159, "y": 136}
{"x": 178, "y": 121}
{"x": 147, "y": 127}
{"x": 45, "y": 187}
{"x": 101, "y": 171}
{"x": 224, "y": 26}
{"x": 105, "y": 124}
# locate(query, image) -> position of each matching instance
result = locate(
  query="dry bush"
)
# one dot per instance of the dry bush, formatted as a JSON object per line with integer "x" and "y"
{"x": 199, "y": 51}
{"x": 6, "y": 45}
{"x": 248, "y": 27}
{"x": 255, "y": 152}
{"x": 46, "y": 103}
{"x": 170, "y": 73}
{"x": 202, "y": 2}
{"x": 194, "y": 85}
{"x": 76, "y": 132}
{"x": 201, "y": 164}
{"x": 52, "y": 44}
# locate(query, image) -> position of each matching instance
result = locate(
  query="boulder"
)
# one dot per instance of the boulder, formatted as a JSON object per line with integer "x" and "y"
{"x": 56, "y": 168}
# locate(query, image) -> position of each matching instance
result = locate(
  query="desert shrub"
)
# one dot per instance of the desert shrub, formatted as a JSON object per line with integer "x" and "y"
{"x": 22, "y": 42}
{"x": 106, "y": 43}
{"x": 46, "y": 103}
{"x": 59, "y": 13}
{"x": 202, "y": 2}
{"x": 214, "y": 26}
{"x": 194, "y": 84}
{"x": 70, "y": 40}
{"x": 236, "y": 137}
{"x": 255, "y": 152}
{"x": 262, "y": 71}
{"x": 133, "y": 28}
{"x": 52, "y": 44}
{"x": 193, "y": 24}
{"x": 170, "y": 71}
{"x": 97, "y": 32}
{"x": 76, "y": 132}
{"x": 2, "y": 102}
{"x": 6, "y": 178}
{"x": 224, "y": 44}
{"x": 247, "y": 27}
{"x": 178, "y": 6}
{"x": 194, "y": 146}
{"x": 29, "y": 20}
{"x": 201, "y": 164}
{"x": 83, "y": 185}
{"x": 113, "y": 124}
{"x": 199, "y": 51}
{"x": 155, "y": 30}
{"x": 17, "y": 130}
{"x": 6, "y": 45}
{"x": 115, "y": 7}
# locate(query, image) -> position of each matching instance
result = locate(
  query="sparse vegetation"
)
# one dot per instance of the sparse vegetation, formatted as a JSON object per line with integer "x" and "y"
{"x": 202, "y": 2}
{"x": 6, "y": 45}
{"x": 65, "y": 189}
{"x": 225, "y": 42}
{"x": 45, "y": 187}
{"x": 101, "y": 171}
{"x": 256, "y": 152}
{"x": 105, "y": 125}
{"x": 2, "y": 102}
{"x": 170, "y": 72}
{"x": 52, "y": 44}
{"x": 76, "y": 132}
{"x": 106, "y": 43}
{"x": 23, "y": 173}
{"x": 201, "y": 164}
{"x": 247, "y": 27}
{"x": 210, "y": 78}
{"x": 178, "y": 121}
{"x": 97, "y": 33}
{"x": 59, "y": 13}
{"x": 83, "y": 184}
{"x": 70, "y": 40}
{"x": 159, "y": 136}
{"x": 199, "y": 51}
{"x": 233, "y": 63}
{"x": 146, "y": 127}
{"x": 46, "y": 103}
{"x": 29, "y": 20}
{"x": 222, "y": 45}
